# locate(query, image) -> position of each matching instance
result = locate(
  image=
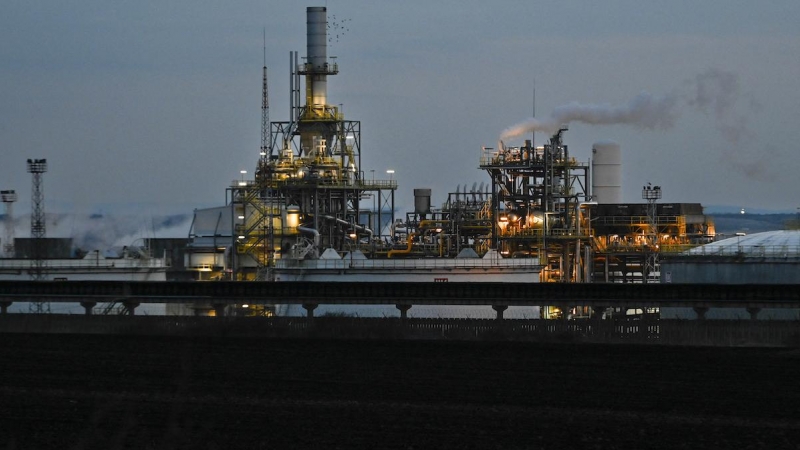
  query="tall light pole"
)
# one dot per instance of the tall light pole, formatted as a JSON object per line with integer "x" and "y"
{"x": 37, "y": 167}
{"x": 651, "y": 194}
{"x": 391, "y": 174}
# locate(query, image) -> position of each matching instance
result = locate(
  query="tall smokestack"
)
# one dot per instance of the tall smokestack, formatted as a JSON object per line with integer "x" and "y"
{"x": 317, "y": 54}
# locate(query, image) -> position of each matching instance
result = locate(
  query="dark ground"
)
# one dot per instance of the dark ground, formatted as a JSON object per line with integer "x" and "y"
{"x": 110, "y": 392}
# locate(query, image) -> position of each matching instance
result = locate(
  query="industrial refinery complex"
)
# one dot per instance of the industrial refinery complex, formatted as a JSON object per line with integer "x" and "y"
{"x": 310, "y": 213}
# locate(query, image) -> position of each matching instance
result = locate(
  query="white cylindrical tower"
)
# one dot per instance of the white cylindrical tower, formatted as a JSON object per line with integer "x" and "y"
{"x": 8, "y": 197}
{"x": 607, "y": 172}
{"x": 317, "y": 53}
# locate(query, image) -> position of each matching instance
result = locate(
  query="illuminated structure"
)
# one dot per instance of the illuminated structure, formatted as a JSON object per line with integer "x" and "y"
{"x": 651, "y": 194}
{"x": 539, "y": 197}
{"x": 308, "y": 184}
{"x": 310, "y": 214}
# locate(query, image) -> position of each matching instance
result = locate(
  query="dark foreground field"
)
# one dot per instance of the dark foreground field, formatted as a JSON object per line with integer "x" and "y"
{"x": 110, "y": 392}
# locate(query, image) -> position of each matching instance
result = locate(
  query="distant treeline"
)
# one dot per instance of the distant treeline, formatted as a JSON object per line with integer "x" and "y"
{"x": 730, "y": 223}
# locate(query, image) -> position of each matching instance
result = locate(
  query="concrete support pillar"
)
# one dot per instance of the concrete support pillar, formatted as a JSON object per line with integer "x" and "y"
{"x": 4, "y": 306}
{"x": 701, "y": 312}
{"x": 130, "y": 306}
{"x": 219, "y": 309}
{"x": 88, "y": 306}
{"x": 403, "y": 311}
{"x": 310, "y": 307}
{"x": 753, "y": 313}
{"x": 500, "y": 310}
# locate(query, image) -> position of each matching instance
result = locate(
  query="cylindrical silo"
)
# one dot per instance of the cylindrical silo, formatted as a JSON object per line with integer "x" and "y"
{"x": 422, "y": 201}
{"x": 607, "y": 172}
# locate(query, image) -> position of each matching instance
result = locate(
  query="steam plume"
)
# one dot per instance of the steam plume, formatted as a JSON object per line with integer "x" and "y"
{"x": 104, "y": 231}
{"x": 714, "y": 92}
{"x": 643, "y": 111}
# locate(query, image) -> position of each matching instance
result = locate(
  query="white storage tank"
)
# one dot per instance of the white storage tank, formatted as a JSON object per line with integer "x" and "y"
{"x": 606, "y": 172}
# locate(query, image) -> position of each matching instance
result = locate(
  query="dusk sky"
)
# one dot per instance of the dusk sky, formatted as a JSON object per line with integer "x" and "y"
{"x": 154, "y": 106}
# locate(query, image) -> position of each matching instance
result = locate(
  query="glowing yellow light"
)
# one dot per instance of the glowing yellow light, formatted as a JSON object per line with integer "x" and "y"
{"x": 292, "y": 216}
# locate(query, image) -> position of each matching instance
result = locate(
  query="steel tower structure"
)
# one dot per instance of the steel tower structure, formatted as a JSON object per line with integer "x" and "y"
{"x": 309, "y": 187}
{"x": 538, "y": 195}
{"x": 37, "y": 167}
{"x": 651, "y": 194}
{"x": 8, "y": 198}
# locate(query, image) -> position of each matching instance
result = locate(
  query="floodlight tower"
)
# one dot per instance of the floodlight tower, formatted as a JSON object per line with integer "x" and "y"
{"x": 9, "y": 197}
{"x": 37, "y": 167}
{"x": 651, "y": 194}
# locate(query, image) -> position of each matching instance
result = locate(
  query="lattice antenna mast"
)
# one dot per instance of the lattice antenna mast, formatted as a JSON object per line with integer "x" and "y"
{"x": 266, "y": 131}
{"x": 37, "y": 167}
{"x": 9, "y": 197}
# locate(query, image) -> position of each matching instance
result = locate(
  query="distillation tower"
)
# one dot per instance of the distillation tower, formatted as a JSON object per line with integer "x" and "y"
{"x": 308, "y": 188}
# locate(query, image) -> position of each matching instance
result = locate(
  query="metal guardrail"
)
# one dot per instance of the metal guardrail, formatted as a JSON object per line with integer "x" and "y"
{"x": 636, "y": 220}
{"x": 356, "y": 293}
{"x": 400, "y": 263}
{"x": 318, "y": 181}
{"x": 776, "y": 251}
{"x": 108, "y": 263}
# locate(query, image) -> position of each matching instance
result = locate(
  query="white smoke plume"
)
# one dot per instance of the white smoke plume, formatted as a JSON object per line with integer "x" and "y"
{"x": 105, "y": 231}
{"x": 643, "y": 111}
{"x": 714, "y": 92}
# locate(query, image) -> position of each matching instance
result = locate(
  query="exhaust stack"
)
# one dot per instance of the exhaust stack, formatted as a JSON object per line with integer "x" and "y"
{"x": 317, "y": 55}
